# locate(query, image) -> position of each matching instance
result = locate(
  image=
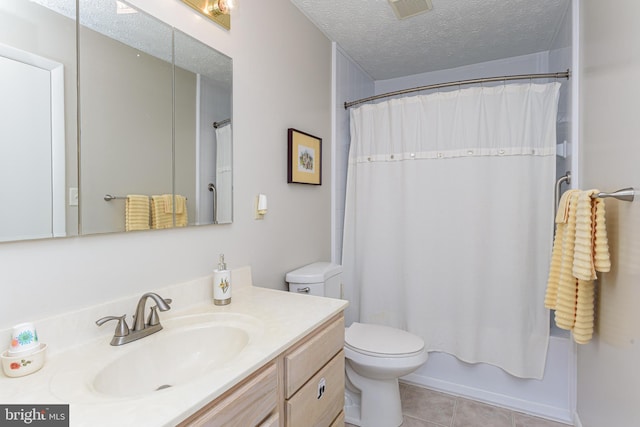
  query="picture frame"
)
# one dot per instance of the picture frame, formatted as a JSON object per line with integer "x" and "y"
{"x": 304, "y": 164}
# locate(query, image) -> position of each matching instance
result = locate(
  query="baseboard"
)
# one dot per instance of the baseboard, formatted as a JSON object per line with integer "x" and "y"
{"x": 561, "y": 415}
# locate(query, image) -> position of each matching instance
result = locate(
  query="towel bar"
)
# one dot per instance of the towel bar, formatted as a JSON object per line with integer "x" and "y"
{"x": 625, "y": 194}
{"x": 109, "y": 197}
{"x": 221, "y": 123}
{"x": 565, "y": 178}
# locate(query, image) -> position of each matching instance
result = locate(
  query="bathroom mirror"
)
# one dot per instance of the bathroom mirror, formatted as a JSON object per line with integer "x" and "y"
{"x": 148, "y": 97}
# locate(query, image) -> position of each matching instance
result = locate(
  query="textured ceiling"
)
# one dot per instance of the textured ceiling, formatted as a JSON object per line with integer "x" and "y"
{"x": 454, "y": 33}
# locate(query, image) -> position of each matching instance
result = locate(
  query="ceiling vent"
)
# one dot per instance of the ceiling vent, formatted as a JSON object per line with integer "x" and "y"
{"x": 407, "y": 8}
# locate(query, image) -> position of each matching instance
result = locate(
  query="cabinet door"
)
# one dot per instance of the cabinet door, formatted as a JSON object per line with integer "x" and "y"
{"x": 321, "y": 399}
{"x": 248, "y": 405}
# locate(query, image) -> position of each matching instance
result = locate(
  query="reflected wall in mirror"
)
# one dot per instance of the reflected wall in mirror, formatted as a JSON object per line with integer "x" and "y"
{"x": 148, "y": 98}
{"x": 38, "y": 110}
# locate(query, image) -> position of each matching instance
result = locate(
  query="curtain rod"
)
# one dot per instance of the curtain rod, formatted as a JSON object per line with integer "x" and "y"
{"x": 560, "y": 75}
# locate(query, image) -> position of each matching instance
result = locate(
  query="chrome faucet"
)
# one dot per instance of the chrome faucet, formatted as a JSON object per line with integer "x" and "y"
{"x": 124, "y": 335}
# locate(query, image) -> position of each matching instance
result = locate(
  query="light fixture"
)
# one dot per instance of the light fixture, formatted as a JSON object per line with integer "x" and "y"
{"x": 408, "y": 8}
{"x": 218, "y": 11}
{"x": 223, "y": 7}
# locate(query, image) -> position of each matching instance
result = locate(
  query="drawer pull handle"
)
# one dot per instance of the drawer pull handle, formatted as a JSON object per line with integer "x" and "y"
{"x": 322, "y": 384}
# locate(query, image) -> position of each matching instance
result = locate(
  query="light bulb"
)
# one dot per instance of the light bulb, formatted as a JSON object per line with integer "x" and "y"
{"x": 224, "y": 6}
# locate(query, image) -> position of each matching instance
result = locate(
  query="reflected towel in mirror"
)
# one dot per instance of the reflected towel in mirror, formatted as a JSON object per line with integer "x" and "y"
{"x": 160, "y": 218}
{"x": 181, "y": 211}
{"x": 136, "y": 212}
{"x": 162, "y": 211}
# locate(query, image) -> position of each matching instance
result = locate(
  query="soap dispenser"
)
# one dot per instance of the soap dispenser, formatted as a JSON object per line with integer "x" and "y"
{"x": 221, "y": 283}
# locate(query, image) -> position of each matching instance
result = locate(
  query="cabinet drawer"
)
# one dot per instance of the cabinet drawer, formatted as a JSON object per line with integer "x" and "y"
{"x": 339, "y": 422}
{"x": 321, "y": 399}
{"x": 248, "y": 405}
{"x": 274, "y": 421}
{"x": 310, "y": 356}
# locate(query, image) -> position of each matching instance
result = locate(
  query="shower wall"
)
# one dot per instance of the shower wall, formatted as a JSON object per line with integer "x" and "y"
{"x": 552, "y": 397}
{"x": 350, "y": 83}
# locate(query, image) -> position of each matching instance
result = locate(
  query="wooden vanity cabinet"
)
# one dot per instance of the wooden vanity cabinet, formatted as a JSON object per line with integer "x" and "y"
{"x": 303, "y": 387}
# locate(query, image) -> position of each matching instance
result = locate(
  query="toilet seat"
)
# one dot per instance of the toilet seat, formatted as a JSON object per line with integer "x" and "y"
{"x": 382, "y": 341}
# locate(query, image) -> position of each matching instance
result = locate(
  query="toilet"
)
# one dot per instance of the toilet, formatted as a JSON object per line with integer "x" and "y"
{"x": 375, "y": 355}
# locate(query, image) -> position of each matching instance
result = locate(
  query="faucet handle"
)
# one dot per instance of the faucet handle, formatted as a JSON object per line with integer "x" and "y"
{"x": 153, "y": 316}
{"x": 122, "y": 329}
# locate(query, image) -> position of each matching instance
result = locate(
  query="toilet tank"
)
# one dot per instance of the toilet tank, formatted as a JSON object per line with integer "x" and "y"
{"x": 319, "y": 278}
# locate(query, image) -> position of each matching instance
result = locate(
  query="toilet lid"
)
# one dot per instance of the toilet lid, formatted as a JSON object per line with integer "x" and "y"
{"x": 382, "y": 340}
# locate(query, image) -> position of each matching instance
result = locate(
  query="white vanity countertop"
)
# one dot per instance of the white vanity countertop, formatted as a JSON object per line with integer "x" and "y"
{"x": 67, "y": 376}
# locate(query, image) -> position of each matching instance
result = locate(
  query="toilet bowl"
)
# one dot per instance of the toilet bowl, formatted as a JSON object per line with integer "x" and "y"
{"x": 375, "y": 355}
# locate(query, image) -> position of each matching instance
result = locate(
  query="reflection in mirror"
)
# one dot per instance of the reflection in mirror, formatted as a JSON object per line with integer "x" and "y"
{"x": 38, "y": 109}
{"x": 126, "y": 111}
{"x": 203, "y": 152}
{"x": 146, "y": 121}
{"x": 146, "y": 125}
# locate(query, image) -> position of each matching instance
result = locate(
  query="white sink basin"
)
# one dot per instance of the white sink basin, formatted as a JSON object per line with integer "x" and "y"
{"x": 197, "y": 348}
{"x": 174, "y": 358}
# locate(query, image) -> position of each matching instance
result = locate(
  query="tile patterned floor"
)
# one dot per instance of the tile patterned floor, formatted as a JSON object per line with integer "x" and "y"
{"x": 427, "y": 408}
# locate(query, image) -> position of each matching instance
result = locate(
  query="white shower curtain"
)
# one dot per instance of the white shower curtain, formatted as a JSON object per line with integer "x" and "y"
{"x": 448, "y": 220}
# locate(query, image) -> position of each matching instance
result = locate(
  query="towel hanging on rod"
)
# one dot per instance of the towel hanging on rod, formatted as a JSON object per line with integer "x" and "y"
{"x": 624, "y": 194}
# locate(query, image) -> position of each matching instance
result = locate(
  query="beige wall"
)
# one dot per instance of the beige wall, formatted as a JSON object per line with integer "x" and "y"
{"x": 282, "y": 79}
{"x": 608, "y": 373}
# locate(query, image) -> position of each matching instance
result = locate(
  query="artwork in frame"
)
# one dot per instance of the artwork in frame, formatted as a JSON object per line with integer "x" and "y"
{"x": 305, "y": 158}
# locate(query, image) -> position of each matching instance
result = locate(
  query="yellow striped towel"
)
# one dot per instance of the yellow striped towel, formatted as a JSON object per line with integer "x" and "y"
{"x": 136, "y": 212}
{"x": 585, "y": 308}
{"x": 181, "y": 203}
{"x": 159, "y": 217}
{"x": 583, "y": 268}
{"x": 567, "y": 284}
{"x": 602, "y": 260}
{"x": 562, "y": 217}
{"x": 580, "y": 248}
{"x": 182, "y": 218}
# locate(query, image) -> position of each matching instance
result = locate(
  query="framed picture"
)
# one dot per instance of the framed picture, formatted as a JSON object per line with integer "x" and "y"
{"x": 305, "y": 158}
